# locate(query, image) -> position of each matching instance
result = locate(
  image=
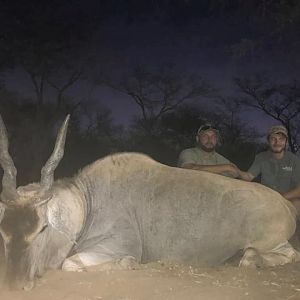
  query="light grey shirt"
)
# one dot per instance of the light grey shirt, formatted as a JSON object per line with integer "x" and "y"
{"x": 199, "y": 157}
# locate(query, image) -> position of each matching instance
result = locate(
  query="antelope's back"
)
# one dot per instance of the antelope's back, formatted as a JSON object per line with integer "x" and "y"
{"x": 193, "y": 216}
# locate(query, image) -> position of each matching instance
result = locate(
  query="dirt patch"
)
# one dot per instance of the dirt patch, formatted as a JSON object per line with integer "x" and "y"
{"x": 160, "y": 281}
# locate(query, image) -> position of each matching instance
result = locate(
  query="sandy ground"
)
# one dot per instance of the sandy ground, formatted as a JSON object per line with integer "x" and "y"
{"x": 160, "y": 281}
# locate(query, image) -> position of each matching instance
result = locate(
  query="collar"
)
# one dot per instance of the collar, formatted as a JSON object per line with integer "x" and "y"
{"x": 272, "y": 157}
{"x": 204, "y": 152}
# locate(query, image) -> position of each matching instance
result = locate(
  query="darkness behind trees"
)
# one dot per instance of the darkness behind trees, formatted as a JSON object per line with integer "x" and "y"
{"x": 58, "y": 46}
{"x": 93, "y": 135}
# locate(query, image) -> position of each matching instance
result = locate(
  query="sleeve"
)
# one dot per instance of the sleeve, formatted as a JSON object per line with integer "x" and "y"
{"x": 296, "y": 172}
{"x": 222, "y": 160}
{"x": 186, "y": 157}
{"x": 255, "y": 168}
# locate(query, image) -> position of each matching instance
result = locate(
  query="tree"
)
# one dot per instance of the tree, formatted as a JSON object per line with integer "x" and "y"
{"x": 91, "y": 135}
{"x": 177, "y": 130}
{"x": 39, "y": 39}
{"x": 159, "y": 91}
{"x": 279, "y": 101}
{"x": 18, "y": 114}
{"x": 46, "y": 40}
{"x": 239, "y": 140}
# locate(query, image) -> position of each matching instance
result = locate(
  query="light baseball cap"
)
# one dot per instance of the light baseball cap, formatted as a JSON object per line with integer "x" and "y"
{"x": 206, "y": 127}
{"x": 278, "y": 129}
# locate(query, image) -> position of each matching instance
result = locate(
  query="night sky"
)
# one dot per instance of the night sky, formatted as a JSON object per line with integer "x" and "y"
{"x": 198, "y": 37}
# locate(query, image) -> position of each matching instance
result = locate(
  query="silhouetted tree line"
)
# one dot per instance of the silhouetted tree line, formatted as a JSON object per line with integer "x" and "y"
{"x": 92, "y": 134}
{"x": 172, "y": 109}
{"x": 57, "y": 55}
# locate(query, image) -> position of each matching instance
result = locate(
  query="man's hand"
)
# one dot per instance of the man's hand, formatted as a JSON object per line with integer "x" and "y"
{"x": 235, "y": 172}
{"x": 292, "y": 194}
{"x": 245, "y": 176}
{"x": 232, "y": 170}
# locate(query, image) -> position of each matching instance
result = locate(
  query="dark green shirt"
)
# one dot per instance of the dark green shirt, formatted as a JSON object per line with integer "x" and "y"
{"x": 280, "y": 175}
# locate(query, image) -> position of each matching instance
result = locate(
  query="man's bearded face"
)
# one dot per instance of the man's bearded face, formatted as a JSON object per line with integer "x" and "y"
{"x": 208, "y": 140}
{"x": 277, "y": 142}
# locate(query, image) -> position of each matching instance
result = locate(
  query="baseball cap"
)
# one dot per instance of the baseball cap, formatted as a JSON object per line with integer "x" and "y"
{"x": 207, "y": 126}
{"x": 278, "y": 129}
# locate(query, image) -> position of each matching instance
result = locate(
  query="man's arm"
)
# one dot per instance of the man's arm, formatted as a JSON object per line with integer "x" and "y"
{"x": 231, "y": 169}
{"x": 245, "y": 176}
{"x": 187, "y": 160}
{"x": 253, "y": 171}
{"x": 292, "y": 194}
{"x": 295, "y": 192}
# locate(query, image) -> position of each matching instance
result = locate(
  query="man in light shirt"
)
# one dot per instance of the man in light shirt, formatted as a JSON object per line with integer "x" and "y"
{"x": 203, "y": 156}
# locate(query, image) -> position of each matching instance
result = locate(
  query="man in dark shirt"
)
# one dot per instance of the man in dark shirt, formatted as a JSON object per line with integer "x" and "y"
{"x": 279, "y": 168}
